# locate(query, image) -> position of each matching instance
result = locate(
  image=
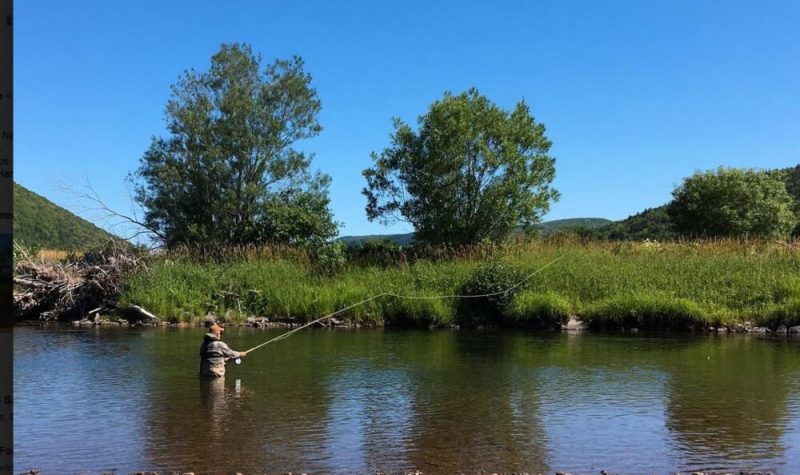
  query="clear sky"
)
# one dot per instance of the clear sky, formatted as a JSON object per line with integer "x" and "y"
{"x": 636, "y": 95}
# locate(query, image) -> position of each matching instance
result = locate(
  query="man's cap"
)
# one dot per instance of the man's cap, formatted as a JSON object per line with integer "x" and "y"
{"x": 210, "y": 320}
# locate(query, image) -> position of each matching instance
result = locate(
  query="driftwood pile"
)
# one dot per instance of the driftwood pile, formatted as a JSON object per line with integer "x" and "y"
{"x": 70, "y": 290}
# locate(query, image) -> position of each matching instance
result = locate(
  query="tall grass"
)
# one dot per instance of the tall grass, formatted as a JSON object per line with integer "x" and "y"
{"x": 647, "y": 285}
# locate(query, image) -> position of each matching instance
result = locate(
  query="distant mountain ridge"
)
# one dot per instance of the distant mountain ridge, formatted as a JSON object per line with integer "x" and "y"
{"x": 40, "y": 223}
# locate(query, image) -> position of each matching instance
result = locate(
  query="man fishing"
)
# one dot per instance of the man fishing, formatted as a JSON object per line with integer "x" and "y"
{"x": 214, "y": 353}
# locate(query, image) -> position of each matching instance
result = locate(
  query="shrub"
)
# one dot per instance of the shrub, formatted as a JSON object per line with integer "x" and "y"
{"x": 329, "y": 257}
{"x": 498, "y": 281}
{"x": 377, "y": 252}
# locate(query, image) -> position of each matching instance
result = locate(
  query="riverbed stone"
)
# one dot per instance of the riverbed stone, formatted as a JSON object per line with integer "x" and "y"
{"x": 795, "y": 329}
{"x": 574, "y": 324}
{"x": 782, "y": 329}
{"x": 759, "y": 330}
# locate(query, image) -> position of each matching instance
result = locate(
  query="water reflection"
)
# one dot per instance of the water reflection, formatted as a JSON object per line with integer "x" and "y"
{"x": 369, "y": 422}
{"x": 470, "y": 415}
{"x": 444, "y": 401}
{"x": 728, "y": 401}
{"x": 274, "y": 419}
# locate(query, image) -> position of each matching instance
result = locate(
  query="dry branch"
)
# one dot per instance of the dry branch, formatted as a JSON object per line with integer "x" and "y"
{"x": 70, "y": 290}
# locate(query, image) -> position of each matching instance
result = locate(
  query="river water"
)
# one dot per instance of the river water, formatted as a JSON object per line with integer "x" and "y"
{"x": 360, "y": 401}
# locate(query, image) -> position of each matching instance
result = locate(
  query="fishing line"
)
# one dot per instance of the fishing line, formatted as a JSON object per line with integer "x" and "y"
{"x": 407, "y": 297}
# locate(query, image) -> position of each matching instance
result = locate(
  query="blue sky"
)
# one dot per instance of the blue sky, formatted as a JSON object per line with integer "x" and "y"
{"x": 636, "y": 95}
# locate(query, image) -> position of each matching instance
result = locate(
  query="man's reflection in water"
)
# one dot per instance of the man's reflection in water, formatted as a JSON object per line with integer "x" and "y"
{"x": 219, "y": 401}
{"x": 214, "y": 402}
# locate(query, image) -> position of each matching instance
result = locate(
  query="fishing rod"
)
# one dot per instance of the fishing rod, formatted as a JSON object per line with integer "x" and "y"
{"x": 407, "y": 297}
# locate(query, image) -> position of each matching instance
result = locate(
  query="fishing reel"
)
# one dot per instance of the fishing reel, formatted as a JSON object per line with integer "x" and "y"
{"x": 237, "y": 361}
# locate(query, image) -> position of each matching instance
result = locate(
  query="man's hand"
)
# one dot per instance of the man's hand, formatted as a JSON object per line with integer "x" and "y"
{"x": 242, "y": 354}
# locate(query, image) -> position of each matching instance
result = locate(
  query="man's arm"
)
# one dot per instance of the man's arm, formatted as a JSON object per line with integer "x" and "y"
{"x": 227, "y": 352}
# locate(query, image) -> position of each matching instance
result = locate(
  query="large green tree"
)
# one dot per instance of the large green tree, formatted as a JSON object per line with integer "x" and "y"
{"x": 732, "y": 202}
{"x": 227, "y": 172}
{"x": 471, "y": 171}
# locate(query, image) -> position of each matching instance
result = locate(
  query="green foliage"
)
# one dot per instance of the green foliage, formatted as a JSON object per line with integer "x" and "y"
{"x": 656, "y": 223}
{"x": 41, "y": 224}
{"x": 295, "y": 216}
{"x": 383, "y": 253}
{"x": 650, "y": 311}
{"x": 787, "y": 314}
{"x": 533, "y": 309}
{"x": 329, "y": 256}
{"x": 471, "y": 172}
{"x": 646, "y": 285}
{"x": 652, "y": 223}
{"x": 791, "y": 176}
{"x": 227, "y": 173}
{"x": 578, "y": 225}
{"x": 500, "y": 282}
{"x": 733, "y": 202}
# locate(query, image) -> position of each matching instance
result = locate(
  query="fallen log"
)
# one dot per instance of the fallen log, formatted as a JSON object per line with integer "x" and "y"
{"x": 144, "y": 313}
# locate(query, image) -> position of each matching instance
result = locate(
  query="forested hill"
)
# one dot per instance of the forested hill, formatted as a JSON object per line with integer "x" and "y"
{"x": 549, "y": 227}
{"x": 544, "y": 229}
{"x": 40, "y": 223}
{"x": 652, "y": 223}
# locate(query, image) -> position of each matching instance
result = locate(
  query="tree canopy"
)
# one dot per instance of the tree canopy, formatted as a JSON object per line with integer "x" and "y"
{"x": 227, "y": 172}
{"x": 733, "y": 202}
{"x": 472, "y": 171}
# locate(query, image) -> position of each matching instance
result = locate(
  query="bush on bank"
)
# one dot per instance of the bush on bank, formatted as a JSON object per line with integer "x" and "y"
{"x": 488, "y": 292}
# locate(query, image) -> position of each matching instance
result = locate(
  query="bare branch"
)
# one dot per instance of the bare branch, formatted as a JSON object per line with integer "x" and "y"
{"x": 110, "y": 215}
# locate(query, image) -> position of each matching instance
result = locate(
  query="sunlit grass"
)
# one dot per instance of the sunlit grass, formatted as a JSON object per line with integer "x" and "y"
{"x": 54, "y": 255}
{"x": 642, "y": 284}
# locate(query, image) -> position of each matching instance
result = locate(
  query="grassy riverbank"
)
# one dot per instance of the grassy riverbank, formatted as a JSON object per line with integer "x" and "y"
{"x": 643, "y": 285}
